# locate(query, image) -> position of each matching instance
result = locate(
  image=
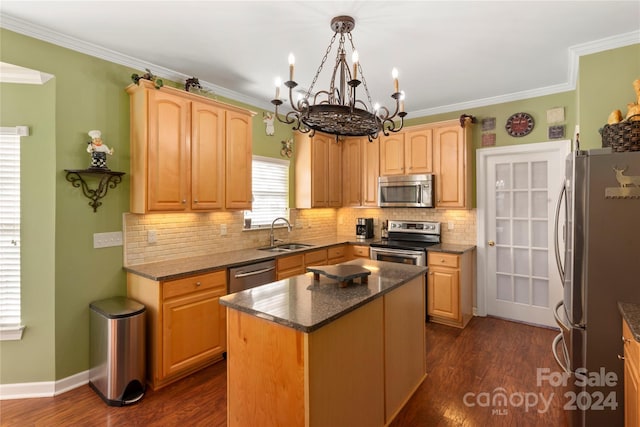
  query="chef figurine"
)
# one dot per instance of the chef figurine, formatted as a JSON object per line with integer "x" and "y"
{"x": 98, "y": 150}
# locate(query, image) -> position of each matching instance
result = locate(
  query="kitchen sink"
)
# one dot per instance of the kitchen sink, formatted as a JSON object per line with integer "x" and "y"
{"x": 285, "y": 247}
{"x": 293, "y": 246}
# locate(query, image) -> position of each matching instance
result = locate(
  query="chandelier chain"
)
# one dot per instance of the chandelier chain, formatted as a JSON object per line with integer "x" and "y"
{"x": 364, "y": 81}
{"x": 324, "y": 59}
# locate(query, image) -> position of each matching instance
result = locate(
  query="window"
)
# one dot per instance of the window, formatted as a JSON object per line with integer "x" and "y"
{"x": 10, "y": 234}
{"x": 270, "y": 191}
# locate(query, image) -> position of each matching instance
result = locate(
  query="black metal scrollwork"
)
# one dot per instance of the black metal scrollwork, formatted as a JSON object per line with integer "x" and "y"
{"x": 107, "y": 179}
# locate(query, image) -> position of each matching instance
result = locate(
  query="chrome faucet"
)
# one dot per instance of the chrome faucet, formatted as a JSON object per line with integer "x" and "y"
{"x": 272, "y": 240}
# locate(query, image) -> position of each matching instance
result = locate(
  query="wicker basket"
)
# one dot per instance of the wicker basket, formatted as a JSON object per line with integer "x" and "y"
{"x": 623, "y": 136}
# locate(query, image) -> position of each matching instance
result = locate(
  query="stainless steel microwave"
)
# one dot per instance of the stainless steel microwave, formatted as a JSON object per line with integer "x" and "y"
{"x": 413, "y": 191}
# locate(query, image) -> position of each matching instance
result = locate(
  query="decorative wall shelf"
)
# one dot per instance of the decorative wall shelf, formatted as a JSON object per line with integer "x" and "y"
{"x": 107, "y": 179}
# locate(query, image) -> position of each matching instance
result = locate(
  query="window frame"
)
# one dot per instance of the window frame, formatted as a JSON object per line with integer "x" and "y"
{"x": 283, "y": 199}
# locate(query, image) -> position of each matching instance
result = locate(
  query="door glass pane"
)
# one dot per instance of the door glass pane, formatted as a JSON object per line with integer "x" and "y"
{"x": 503, "y": 260}
{"x": 503, "y": 181}
{"x": 520, "y": 232}
{"x": 521, "y": 261}
{"x": 521, "y": 204}
{"x": 540, "y": 263}
{"x": 520, "y": 175}
{"x": 503, "y": 204}
{"x": 539, "y": 175}
{"x": 504, "y": 288}
{"x": 539, "y": 234}
{"x": 539, "y": 202}
{"x": 521, "y": 288}
{"x": 503, "y": 232}
{"x": 540, "y": 293}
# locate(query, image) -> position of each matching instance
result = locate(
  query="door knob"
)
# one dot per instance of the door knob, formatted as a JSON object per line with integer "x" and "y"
{"x": 491, "y": 243}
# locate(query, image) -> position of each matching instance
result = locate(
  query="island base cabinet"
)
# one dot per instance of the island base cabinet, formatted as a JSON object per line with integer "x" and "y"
{"x": 358, "y": 370}
{"x": 336, "y": 369}
{"x": 631, "y": 378}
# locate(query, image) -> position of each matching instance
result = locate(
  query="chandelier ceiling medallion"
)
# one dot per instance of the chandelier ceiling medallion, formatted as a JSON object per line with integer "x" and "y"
{"x": 338, "y": 111}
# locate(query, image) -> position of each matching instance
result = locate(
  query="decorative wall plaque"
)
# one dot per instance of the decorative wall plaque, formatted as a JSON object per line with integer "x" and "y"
{"x": 488, "y": 123}
{"x": 556, "y": 132}
{"x": 488, "y": 139}
{"x": 555, "y": 115}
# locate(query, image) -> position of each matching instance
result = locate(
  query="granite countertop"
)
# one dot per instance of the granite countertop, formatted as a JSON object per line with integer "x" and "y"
{"x": 631, "y": 314}
{"x": 453, "y": 248}
{"x": 177, "y": 268}
{"x": 182, "y": 267}
{"x": 300, "y": 303}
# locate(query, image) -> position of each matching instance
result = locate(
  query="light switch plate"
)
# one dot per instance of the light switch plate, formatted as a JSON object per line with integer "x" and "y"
{"x": 105, "y": 240}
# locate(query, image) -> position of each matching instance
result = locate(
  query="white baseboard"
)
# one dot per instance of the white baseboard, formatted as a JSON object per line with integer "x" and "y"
{"x": 44, "y": 388}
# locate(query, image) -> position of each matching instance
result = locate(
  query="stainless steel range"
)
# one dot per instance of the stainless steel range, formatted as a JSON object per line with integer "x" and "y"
{"x": 407, "y": 243}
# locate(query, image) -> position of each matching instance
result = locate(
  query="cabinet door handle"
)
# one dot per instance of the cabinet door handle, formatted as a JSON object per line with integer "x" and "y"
{"x": 184, "y": 201}
{"x": 195, "y": 201}
{"x": 626, "y": 340}
{"x": 620, "y": 357}
{"x": 198, "y": 283}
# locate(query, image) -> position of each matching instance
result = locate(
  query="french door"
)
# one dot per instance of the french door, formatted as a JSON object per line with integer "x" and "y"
{"x": 517, "y": 190}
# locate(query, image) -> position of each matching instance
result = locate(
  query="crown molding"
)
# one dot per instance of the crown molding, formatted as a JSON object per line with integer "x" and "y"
{"x": 575, "y": 52}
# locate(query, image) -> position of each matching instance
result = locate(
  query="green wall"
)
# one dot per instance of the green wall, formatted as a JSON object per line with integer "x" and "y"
{"x": 605, "y": 85}
{"x": 62, "y": 273}
{"x": 33, "y": 358}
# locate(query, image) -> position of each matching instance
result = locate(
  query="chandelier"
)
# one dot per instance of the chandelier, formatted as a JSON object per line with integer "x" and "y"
{"x": 338, "y": 111}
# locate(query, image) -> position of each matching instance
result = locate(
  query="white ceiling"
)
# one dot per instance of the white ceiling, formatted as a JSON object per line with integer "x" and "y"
{"x": 450, "y": 54}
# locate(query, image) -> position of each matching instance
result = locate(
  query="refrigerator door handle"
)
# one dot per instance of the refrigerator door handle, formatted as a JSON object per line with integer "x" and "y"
{"x": 554, "y": 347}
{"x": 561, "y": 197}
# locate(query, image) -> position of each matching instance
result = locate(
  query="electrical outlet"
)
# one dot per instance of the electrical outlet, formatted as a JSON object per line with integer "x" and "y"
{"x": 450, "y": 225}
{"x": 223, "y": 229}
{"x": 299, "y": 223}
{"x": 105, "y": 240}
{"x": 152, "y": 236}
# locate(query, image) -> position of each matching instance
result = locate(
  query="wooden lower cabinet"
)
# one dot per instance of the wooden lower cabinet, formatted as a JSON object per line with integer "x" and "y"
{"x": 631, "y": 378}
{"x": 358, "y": 370}
{"x": 450, "y": 283}
{"x": 186, "y": 325}
{"x": 289, "y": 266}
{"x": 358, "y": 251}
{"x": 336, "y": 254}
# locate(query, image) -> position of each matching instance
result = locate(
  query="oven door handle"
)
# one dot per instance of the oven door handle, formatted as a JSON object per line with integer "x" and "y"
{"x": 410, "y": 254}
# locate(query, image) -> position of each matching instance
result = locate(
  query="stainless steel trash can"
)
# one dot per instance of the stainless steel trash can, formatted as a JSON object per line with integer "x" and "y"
{"x": 117, "y": 350}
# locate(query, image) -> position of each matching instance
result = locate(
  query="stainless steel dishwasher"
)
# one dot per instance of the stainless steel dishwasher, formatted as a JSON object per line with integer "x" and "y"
{"x": 251, "y": 275}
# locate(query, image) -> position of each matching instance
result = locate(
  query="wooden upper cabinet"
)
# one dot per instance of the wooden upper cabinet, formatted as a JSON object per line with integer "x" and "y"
{"x": 418, "y": 149}
{"x": 392, "y": 154}
{"x": 184, "y": 147}
{"x": 318, "y": 171}
{"x": 238, "y": 161}
{"x": 351, "y": 172}
{"x": 360, "y": 171}
{"x": 407, "y": 153}
{"x": 370, "y": 171}
{"x": 451, "y": 147}
{"x": 168, "y": 153}
{"x": 207, "y": 157}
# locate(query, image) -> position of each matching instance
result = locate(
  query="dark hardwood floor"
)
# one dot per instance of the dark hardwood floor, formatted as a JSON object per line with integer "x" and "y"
{"x": 489, "y": 357}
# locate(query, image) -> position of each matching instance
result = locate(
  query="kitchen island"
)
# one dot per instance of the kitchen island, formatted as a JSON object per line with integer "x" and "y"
{"x": 302, "y": 352}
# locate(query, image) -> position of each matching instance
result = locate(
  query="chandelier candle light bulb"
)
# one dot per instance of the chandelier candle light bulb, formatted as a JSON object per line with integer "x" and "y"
{"x": 394, "y": 74}
{"x": 278, "y": 84}
{"x": 292, "y": 61}
{"x": 402, "y": 102}
{"x": 354, "y": 59}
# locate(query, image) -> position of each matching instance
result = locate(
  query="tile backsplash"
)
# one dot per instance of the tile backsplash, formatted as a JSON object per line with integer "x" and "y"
{"x": 183, "y": 235}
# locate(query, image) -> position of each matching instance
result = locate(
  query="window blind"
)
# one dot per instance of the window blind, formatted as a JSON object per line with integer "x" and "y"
{"x": 9, "y": 230}
{"x": 270, "y": 186}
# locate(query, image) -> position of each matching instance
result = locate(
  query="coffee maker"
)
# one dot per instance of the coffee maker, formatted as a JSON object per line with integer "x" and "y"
{"x": 364, "y": 228}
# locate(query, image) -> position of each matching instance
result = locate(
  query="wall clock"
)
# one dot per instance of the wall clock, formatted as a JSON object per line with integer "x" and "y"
{"x": 519, "y": 124}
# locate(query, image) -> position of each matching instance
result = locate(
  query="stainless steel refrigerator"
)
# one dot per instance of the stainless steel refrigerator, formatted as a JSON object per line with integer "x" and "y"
{"x": 598, "y": 223}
